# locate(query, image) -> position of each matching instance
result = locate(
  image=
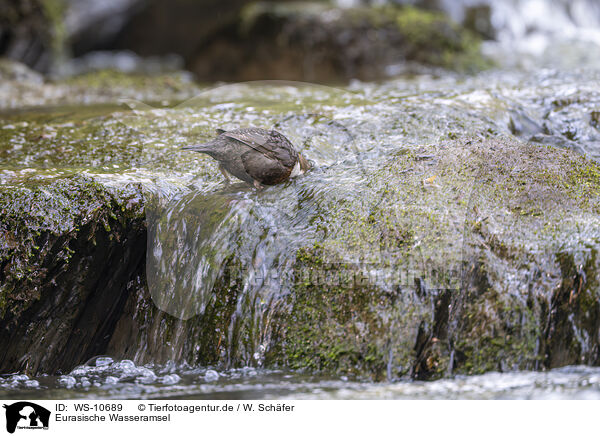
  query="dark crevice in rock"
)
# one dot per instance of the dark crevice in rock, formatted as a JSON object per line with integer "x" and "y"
{"x": 78, "y": 306}
{"x": 63, "y": 311}
{"x": 432, "y": 338}
{"x": 572, "y": 331}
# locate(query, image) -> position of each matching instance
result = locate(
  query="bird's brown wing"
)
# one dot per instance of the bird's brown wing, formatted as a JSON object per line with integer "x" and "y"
{"x": 263, "y": 169}
{"x": 255, "y": 139}
{"x": 274, "y": 145}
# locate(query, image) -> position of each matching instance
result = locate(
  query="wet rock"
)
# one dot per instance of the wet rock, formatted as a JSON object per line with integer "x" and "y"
{"x": 493, "y": 293}
{"x": 521, "y": 124}
{"x": 462, "y": 256}
{"x": 60, "y": 298}
{"x": 21, "y": 87}
{"x": 11, "y": 71}
{"x": 514, "y": 287}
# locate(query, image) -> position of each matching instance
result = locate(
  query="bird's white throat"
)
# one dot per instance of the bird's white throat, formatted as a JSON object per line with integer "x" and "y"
{"x": 296, "y": 171}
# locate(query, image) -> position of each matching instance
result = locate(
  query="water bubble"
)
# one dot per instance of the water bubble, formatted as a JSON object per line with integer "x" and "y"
{"x": 110, "y": 380}
{"x": 211, "y": 376}
{"x": 32, "y": 384}
{"x": 67, "y": 381}
{"x": 170, "y": 379}
{"x": 146, "y": 376}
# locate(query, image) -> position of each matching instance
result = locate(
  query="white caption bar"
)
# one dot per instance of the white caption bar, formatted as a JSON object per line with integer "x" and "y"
{"x": 68, "y": 417}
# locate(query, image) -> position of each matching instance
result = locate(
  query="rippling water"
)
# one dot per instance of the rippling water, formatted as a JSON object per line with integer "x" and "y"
{"x": 104, "y": 378}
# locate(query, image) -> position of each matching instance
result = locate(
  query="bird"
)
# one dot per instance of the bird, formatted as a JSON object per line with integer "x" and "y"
{"x": 257, "y": 156}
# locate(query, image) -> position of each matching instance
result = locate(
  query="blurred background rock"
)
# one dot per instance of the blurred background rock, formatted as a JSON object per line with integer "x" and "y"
{"x": 239, "y": 39}
{"x": 235, "y": 40}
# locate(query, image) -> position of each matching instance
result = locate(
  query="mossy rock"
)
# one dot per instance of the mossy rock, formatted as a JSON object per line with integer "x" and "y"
{"x": 494, "y": 244}
{"x": 494, "y": 279}
{"x": 26, "y": 88}
{"x": 70, "y": 250}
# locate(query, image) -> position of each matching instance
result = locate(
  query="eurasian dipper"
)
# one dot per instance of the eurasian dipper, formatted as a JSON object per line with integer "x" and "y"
{"x": 256, "y": 156}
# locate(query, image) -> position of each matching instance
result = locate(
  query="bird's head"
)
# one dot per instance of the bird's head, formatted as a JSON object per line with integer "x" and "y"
{"x": 304, "y": 164}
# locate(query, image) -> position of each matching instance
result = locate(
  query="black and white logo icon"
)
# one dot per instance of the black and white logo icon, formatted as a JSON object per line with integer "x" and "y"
{"x": 26, "y": 415}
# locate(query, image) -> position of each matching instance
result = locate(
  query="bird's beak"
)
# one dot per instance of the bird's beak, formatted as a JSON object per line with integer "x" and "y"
{"x": 304, "y": 164}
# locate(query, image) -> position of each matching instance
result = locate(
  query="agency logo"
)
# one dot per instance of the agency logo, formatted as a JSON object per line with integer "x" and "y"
{"x": 26, "y": 415}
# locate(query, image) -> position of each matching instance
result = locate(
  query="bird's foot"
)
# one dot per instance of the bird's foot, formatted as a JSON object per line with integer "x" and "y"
{"x": 225, "y": 174}
{"x": 258, "y": 185}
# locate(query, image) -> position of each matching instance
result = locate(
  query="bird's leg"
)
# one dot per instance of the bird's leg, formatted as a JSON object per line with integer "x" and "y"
{"x": 257, "y": 185}
{"x": 224, "y": 172}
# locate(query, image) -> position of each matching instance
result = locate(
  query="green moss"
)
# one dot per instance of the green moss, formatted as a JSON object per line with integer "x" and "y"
{"x": 583, "y": 182}
{"x": 332, "y": 327}
{"x": 505, "y": 343}
{"x": 435, "y": 39}
{"x": 430, "y": 37}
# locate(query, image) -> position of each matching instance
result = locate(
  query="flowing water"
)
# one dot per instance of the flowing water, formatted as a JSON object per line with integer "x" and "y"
{"x": 104, "y": 378}
{"x": 545, "y": 89}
